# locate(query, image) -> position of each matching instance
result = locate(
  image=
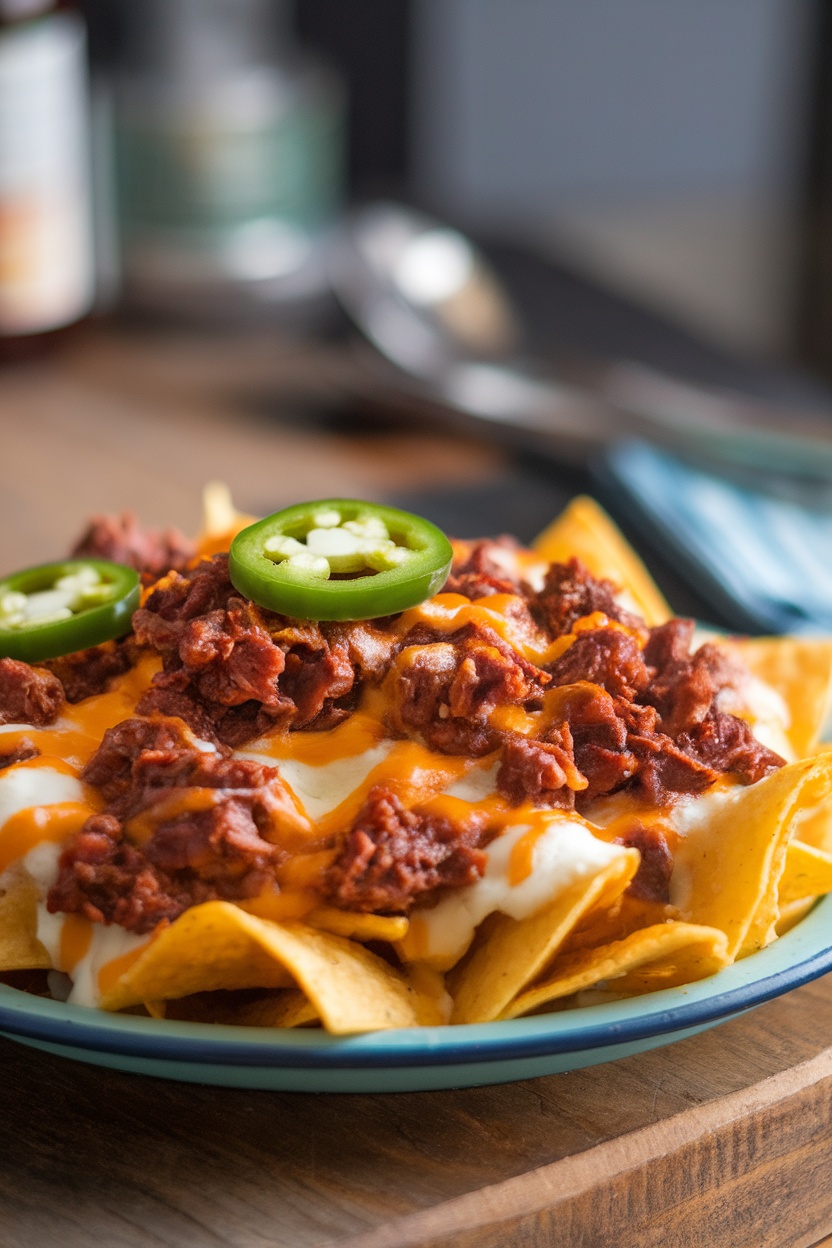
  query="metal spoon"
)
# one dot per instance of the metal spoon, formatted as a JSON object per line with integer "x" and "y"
{"x": 428, "y": 301}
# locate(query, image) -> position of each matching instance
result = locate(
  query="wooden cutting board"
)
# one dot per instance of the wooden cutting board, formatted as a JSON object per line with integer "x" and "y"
{"x": 723, "y": 1140}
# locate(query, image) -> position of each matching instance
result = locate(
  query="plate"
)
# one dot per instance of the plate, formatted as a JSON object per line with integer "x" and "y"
{"x": 423, "y": 1058}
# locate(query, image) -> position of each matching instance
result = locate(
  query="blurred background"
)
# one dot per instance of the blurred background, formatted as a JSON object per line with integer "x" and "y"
{"x": 650, "y": 181}
{"x": 673, "y": 149}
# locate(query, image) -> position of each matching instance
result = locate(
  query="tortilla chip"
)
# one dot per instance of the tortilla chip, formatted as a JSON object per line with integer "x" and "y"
{"x": 290, "y": 1008}
{"x": 727, "y": 870}
{"x": 807, "y": 873}
{"x": 217, "y": 945}
{"x": 800, "y": 670}
{"x": 221, "y": 520}
{"x": 20, "y": 949}
{"x": 360, "y": 927}
{"x": 508, "y": 953}
{"x": 287, "y": 1008}
{"x": 792, "y": 913}
{"x": 629, "y": 914}
{"x": 585, "y": 531}
{"x": 677, "y": 953}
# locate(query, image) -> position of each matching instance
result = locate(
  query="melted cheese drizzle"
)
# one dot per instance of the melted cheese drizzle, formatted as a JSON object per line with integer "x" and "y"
{"x": 328, "y": 775}
{"x": 529, "y": 865}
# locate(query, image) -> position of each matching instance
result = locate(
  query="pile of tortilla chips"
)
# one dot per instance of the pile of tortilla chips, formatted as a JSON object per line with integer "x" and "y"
{"x": 750, "y": 873}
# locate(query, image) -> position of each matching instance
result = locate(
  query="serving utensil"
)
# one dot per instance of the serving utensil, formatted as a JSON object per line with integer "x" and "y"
{"x": 447, "y": 339}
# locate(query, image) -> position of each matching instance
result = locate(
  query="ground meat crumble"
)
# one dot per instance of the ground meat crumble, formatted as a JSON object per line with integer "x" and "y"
{"x": 216, "y": 849}
{"x": 392, "y": 856}
{"x": 120, "y": 539}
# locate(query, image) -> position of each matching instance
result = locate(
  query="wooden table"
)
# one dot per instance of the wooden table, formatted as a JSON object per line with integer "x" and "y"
{"x": 722, "y": 1139}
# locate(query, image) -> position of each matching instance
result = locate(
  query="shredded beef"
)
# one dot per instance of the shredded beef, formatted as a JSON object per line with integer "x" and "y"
{"x": 201, "y": 627}
{"x": 483, "y": 568}
{"x": 243, "y": 670}
{"x": 28, "y": 695}
{"x": 665, "y": 771}
{"x": 151, "y": 552}
{"x": 317, "y": 671}
{"x": 599, "y": 733}
{"x": 110, "y": 769}
{"x": 205, "y": 856}
{"x": 22, "y": 752}
{"x": 682, "y": 688}
{"x": 370, "y": 649}
{"x": 391, "y": 856}
{"x": 139, "y": 758}
{"x": 542, "y": 772}
{"x": 180, "y": 704}
{"x": 606, "y": 656}
{"x": 216, "y": 849}
{"x": 570, "y": 593}
{"x": 727, "y": 744}
{"x": 88, "y": 672}
{"x": 651, "y": 881}
{"x": 445, "y": 690}
{"x": 181, "y": 597}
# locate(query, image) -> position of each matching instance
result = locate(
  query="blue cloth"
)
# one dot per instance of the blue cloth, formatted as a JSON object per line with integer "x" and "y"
{"x": 765, "y": 561}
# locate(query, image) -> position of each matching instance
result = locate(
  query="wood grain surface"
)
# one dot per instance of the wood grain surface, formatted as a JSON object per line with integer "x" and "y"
{"x": 724, "y": 1139}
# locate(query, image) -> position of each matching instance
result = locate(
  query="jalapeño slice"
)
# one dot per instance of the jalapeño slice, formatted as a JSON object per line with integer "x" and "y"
{"x": 58, "y": 608}
{"x": 340, "y": 559}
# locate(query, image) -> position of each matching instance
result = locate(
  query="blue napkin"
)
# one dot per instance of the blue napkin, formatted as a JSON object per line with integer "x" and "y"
{"x": 764, "y": 559}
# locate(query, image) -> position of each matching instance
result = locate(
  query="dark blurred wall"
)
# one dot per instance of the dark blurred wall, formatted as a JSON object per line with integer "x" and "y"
{"x": 369, "y": 41}
{"x": 522, "y": 107}
{"x": 659, "y": 143}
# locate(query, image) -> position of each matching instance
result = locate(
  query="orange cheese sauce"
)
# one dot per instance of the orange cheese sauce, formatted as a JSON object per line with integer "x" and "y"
{"x": 411, "y": 770}
{"x": 112, "y": 971}
{"x": 76, "y": 736}
{"x": 521, "y": 862}
{"x": 28, "y": 828}
{"x": 360, "y": 732}
{"x": 76, "y": 938}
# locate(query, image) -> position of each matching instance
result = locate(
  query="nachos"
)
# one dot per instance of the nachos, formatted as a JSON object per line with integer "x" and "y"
{"x": 327, "y": 769}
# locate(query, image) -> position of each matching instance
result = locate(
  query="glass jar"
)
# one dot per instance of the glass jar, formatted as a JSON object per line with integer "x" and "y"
{"x": 229, "y": 155}
{"x": 47, "y": 279}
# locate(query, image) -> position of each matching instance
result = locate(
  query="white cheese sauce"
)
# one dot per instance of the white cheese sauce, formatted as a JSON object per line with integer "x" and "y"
{"x": 108, "y": 942}
{"x": 565, "y": 853}
{"x": 320, "y": 789}
{"x": 21, "y": 788}
{"x": 687, "y": 819}
{"x": 476, "y": 785}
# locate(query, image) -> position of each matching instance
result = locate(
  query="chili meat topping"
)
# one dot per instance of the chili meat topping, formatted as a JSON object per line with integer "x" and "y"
{"x": 612, "y": 707}
{"x": 152, "y": 552}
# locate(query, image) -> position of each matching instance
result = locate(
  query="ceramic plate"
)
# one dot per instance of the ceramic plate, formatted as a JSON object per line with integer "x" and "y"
{"x": 426, "y": 1057}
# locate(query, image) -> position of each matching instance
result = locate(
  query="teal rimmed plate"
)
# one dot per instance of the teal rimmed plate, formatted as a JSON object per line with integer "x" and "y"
{"x": 424, "y": 1058}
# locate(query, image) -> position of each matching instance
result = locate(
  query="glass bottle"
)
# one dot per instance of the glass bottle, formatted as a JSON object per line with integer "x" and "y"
{"x": 229, "y": 154}
{"x": 46, "y": 253}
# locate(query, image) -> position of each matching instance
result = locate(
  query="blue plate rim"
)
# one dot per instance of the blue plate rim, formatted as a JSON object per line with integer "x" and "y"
{"x": 803, "y": 954}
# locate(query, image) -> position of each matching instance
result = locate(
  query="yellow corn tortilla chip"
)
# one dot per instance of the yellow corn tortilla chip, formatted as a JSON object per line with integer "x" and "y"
{"x": 628, "y": 915}
{"x": 360, "y": 927}
{"x": 287, "y": 1007}
{"x": 727, "y": 869}
{"x": 791, "y": 914}
{"x": 221, "y": 520}
{"x": 680, "y": 952}
{"x": 290, "y": 1008}
{"x": 511, "y": 953}
{"x": 217, "y": 945}
{"x": 800, "y": 670}
{"x": 807, "y": 873}
{"x": 20, "y": 949}
{"x": 585, "y": 531}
